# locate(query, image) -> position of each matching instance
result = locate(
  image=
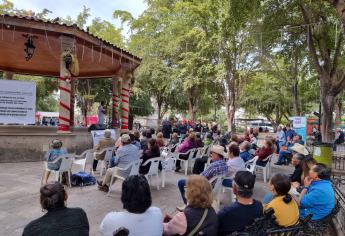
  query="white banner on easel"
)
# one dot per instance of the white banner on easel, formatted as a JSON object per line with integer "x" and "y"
{"x": 17, "y": 102}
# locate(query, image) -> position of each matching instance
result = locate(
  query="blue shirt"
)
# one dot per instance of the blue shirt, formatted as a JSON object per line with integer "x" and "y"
{"x": 237, "y": 216}
{"x": 216, "y": 168}
{"x": 246, "y": 156}
{"x": 289, "y": 134}
{"x": 319, "y": 200}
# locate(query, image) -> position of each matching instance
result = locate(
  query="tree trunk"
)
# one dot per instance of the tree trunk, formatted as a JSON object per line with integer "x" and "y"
{"x": 191, "y": 109}
{"x": 338, "y": 112}
{"x": 230, "y": 115}
{"x": 328, "y": 104}
{"x": 159, "y": 109}
{"x": 296, "y": 103}
{"x": 130, "y": 121}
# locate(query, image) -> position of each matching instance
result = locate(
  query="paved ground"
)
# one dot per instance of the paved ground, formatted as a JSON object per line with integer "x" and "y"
{"x": 19, "y": 196}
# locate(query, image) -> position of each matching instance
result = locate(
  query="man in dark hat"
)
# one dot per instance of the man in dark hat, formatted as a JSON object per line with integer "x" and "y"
{"x": 242, "y": 212}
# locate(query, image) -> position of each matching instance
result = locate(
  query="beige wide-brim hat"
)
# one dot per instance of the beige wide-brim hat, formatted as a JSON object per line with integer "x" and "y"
{"x": 218, "y": 149}
{"x": 300, "y": 149}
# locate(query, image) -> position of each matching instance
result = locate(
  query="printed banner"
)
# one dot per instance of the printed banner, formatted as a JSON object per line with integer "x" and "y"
{"x": 299, "y": 124}
{"x": 17, "y": 102}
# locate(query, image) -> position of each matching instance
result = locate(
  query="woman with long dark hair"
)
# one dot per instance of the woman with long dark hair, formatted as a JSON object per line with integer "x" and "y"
{"x": 285, "y": 207}
{"x": 152, "y": 152}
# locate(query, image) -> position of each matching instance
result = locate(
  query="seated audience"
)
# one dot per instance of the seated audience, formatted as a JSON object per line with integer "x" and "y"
{"x": 199, "y": 142}
{"x": 52, "y": 158}
{"x": 339, "y": 136}
{"x": 139, "y": 217}
{"x": 285, "y": 155}
{"x": 244, "y": 151}
{"x": 59, "y": 220}
{"x": 234, "y": 138}
{"x": 125, "y": 155}
{"x": 198, "y": 211}
{"x": 160, "y": 140}
{"x": 280, "y": 137}
{"x": 235, "y": 163}
{"x": 253, "y": 140}
{"x": 174, "y": 139}
{"x": 296, "y": 176}
{"x": 317, "y": 197}
{"x": 245, "y": 210}
{"x": 245, "y": 137}
{"x": 284, "y": 206}
{"x": 136, "y": 141}
{"x": 217, "y": 167}
{"x": 289, "y": 134}
{"x": 152, "y": 152}
{"x": 307, "y": 163}
{"x": 146, "y": 136}
{"x": 264, "y": 152}
{"x": 208, "y": 140}
{"x": 188, "y": 143}
{"x": 105, "y": 142}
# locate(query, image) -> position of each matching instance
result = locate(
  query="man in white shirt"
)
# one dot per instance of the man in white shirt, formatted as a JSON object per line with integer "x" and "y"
{"x": 235, "y": 163}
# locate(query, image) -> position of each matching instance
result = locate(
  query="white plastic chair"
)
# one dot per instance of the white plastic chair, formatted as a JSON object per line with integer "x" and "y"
{"x": 65, "y": 166}
{"x": 251, "y": 164}
{"x": 134, "y": 170}
{"x": 216, "y": 183}
{"x": 153, "y": 171}
{"x": 266, "y": 170}
{"x": 84, "y": 159}
{"x": 168, "y": 165}
{"x": 188, "y": 162}
{"x": 109, "y": 152}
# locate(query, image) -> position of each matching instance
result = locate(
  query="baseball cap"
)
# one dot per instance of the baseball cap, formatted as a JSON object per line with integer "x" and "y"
{"x": 244, "y": 179}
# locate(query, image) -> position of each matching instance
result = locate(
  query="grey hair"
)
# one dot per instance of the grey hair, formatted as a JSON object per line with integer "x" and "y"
{"x": 246, "y": 145}
{"x": 107, "y": 133}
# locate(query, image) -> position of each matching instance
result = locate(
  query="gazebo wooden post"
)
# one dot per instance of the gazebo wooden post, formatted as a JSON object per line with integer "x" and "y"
{"x": 73, "y": 79}
{"x": 65, "y": 87}
{"x": 125, "y": 102}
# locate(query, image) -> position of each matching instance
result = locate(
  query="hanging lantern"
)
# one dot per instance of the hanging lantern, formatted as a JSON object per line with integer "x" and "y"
{"x": 29, "y": 47}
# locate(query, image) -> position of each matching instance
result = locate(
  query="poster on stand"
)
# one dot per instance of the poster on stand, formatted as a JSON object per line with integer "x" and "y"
{"x": 17, "y": 102}
{"x": 299, "y": 124}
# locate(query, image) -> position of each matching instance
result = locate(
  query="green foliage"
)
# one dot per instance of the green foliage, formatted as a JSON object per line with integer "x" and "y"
{"x": 107, "y": 31}
{"x": 6, "y": 6}
{"x": 140, "y": 105}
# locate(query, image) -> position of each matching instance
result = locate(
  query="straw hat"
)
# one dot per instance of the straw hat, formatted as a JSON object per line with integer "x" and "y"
{"x": 218, "y": 149}
{"x": 299, "y": 148}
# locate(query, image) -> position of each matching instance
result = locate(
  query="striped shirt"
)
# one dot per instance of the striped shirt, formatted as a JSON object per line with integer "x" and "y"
{"x": 218, "y": 167}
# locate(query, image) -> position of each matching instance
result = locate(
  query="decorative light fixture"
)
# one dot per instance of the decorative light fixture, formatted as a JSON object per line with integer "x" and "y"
{"x": 29, "y": 47}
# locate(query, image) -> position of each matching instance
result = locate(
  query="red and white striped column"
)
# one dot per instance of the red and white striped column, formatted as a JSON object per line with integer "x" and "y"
{"x": 65, "y": 104}
{"x": 125, "y": 103}
{"x": 116, "y": 100}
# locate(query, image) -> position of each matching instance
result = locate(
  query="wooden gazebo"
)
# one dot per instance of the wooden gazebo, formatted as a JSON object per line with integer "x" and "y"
{"x": 51, "y": 41}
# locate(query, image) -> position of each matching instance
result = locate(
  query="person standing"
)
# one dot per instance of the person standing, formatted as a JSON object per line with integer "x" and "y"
{"x": 101, "y": 113}
{"x": 166, "y": 129}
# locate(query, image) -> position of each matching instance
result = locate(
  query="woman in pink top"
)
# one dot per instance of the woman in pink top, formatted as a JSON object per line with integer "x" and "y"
{"x": 199, "y": 209}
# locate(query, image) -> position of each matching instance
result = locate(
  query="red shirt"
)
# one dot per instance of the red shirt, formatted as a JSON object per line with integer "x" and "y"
{"x": 263, "y": 152}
